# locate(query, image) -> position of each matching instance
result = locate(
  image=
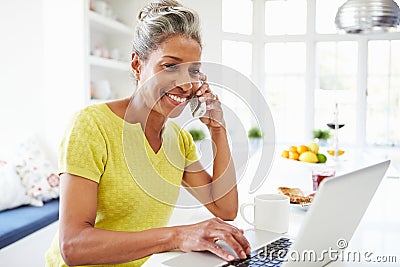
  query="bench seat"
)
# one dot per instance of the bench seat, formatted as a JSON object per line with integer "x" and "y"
{"x": 22, "y": 221}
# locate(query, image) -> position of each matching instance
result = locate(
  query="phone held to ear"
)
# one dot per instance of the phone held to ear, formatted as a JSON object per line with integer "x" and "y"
{"x": 198, "y": 109}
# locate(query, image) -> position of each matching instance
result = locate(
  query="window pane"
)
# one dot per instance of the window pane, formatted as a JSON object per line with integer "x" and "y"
{"x": 395, "y": 58}
{"x": 285, "y": 58}
{"x": 273, "y": 90}
{"x": 383, "y": 100}
{"x": 285, "y": 17}
{"x": 285, "y": 95}
{"x": 378, "y": 57}
{"x": 377, "y": 111}
{"x": 237, "y": 16}
{"x": 274, "y": 64}
{"x": 325, "y": 15}
{"x": 347, "y": 58}
{"x": 285, "y": 89}
{"x": 394, "y": 116}
{"x": 337, "y": 83}
{"x": 337, "y": 65}
{"x": 326, "y": 58}
{"x": 237, "y": 55}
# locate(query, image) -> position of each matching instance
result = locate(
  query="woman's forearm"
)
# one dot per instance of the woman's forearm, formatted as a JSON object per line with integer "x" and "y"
{"x": 98, "y": 246}
{"x": 224, "y": 190}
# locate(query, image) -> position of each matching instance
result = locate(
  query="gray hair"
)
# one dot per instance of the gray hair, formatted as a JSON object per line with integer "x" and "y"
{"x": 160, "y": 20}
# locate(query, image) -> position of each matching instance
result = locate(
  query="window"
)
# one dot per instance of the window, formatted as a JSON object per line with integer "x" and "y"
{"x": 237, "y": 55}
{"x": 303, "y": 66}
{"x": 383, "y": 99}
{"x": 285, "y": 66}
{"x": 285, "y": 17}
{"x": 237, "y": 16}
{"x": 325, "y": 15}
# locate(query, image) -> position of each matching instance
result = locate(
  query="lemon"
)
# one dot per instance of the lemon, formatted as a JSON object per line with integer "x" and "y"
{"x": 308, "y": 156}
{"x": 301, "y": 149}
{"x": 313, "y": 147}
{"x": 321, "y": 158}
{"x": 285, "y": 154}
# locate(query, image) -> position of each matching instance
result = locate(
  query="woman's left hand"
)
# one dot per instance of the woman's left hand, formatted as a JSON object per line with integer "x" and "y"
{"x": 213, "y": 117}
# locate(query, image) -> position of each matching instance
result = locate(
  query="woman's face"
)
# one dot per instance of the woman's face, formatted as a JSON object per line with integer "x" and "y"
{"x": 170, "y": 75}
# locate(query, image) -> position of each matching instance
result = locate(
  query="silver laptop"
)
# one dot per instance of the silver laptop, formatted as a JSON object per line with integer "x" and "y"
{"x": 330, "y": 223}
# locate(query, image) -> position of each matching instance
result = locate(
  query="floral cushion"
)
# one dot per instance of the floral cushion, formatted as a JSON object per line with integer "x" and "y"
{"x": 38, "y": 175}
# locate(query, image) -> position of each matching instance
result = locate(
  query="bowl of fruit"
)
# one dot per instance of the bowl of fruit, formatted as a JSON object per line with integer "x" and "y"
{"x": 304, "y": 153}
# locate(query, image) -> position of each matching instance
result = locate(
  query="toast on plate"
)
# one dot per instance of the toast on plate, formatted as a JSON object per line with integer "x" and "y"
{"x": 296, "y": 195}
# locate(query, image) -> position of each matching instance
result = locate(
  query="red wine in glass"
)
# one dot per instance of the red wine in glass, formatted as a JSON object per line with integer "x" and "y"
{"x": 332, "y": 125}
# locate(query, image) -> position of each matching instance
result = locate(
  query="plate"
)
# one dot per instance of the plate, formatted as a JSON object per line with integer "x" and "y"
{"x": 296, "y": 194}
{"x": 301, "y": 206}
{"x": 302, "y": 162}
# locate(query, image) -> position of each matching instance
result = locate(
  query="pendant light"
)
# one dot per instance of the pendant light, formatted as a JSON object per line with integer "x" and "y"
{"x": 368, "y": 16}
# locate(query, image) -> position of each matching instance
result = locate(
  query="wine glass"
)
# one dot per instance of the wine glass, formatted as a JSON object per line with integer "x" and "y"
{"x": 335, "y": 125}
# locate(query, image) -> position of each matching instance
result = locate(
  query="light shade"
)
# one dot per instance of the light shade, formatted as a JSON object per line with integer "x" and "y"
{"x": 367, "y": 16}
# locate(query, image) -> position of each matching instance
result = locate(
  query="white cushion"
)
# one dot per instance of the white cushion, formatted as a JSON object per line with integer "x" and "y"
{"x": 12, "y": 192}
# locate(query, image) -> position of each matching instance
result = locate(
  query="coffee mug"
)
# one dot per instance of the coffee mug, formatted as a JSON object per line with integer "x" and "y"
{"x": 271, "y": 212}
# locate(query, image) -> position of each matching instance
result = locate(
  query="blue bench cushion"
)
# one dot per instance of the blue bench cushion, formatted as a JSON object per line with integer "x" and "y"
{"x": 20, "y": 222}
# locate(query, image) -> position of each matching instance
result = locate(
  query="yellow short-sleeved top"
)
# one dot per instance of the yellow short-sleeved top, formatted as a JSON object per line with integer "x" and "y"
{"x": 136, "y": 186}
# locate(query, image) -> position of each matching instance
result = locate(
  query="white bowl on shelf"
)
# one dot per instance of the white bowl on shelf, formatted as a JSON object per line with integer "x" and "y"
{"x": 101, "y": 89}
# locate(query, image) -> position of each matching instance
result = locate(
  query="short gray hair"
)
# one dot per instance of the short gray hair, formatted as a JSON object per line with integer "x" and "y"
{"x": 159, "y": 20}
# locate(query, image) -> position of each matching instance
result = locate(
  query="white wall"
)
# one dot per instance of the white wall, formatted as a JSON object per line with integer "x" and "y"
{"x": 64, "y": 69}
{"x": 21, "y": 68}
{"x": 41, "y": 71}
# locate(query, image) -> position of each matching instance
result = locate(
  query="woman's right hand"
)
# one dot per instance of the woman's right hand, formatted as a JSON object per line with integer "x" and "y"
{"x": 202, "y": 236}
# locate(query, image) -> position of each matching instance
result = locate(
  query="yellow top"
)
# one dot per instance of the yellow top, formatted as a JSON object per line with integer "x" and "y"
{"x": 137, "y": 187}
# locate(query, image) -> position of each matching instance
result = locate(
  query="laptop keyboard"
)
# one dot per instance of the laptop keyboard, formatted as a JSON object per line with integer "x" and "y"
{"x": 272, "y": 254}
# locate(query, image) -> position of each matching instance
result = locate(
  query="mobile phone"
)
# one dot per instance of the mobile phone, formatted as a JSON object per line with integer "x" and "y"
{"x": 198, "y": 109}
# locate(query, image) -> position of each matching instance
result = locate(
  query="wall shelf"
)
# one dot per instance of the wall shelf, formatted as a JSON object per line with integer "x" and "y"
{"x": 108, "y": 25}
{"x": 107, "y": 36}
{"x": 108, "y": 63}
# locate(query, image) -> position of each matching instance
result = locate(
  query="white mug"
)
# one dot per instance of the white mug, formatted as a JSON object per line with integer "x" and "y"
{"x": 271, "y": 212}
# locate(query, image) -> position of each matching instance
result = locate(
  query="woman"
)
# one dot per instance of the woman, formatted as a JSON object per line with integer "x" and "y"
{"x": 106, "y": 217}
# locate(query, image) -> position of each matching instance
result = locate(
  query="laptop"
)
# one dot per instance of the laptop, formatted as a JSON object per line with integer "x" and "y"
{"x": 329, "y": 224}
